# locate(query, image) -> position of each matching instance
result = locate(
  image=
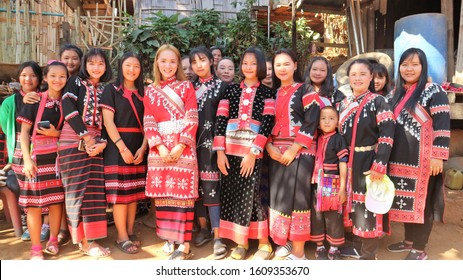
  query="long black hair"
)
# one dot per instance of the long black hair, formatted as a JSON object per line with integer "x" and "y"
{"x": 120, "y": 76}
{"x": 201, "y": 50}
{"x": 400, "y": 83}
{"x": 71, "y": 47}
{"x": 368, "y": 64}
{"x": 108, "y": 73}
{"x": 327, "y": 87}
{"x": 35, "y": 68}
{"x": 293, "y": 56}
{"x": 261, "y": 64}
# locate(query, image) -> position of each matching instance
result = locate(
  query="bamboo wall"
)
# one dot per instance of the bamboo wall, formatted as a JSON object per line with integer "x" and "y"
{"x": 33, "y": 33}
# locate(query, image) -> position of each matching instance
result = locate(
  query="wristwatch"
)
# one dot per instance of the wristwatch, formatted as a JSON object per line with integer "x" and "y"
{"x": 255, "y": 151}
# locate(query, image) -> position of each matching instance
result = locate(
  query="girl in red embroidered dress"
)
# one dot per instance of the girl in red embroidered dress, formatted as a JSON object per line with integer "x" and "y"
{"x": 170, "y": 123}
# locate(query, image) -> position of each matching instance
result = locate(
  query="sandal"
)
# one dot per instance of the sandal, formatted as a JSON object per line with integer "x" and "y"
{"x": 36, "y": 255}
{"x": 135, "y": 240}
{"x": 52, "y": 248}
{"x": 180, "y": 256}
{"x": 168, "y": 248}
{"x": 239, "y": 253}
{"x": 220, "y": 249}
{"x": 63, "y": 237}
{"x": 127, "y": 247}
{"x": 264, "y": 252}
{"x": 95, "y": 250}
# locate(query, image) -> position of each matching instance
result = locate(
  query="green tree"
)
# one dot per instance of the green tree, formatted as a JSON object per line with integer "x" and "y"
{"x": 204, "y": 28}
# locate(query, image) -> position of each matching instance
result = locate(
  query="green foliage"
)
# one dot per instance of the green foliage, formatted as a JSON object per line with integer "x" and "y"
{"x": 204, "y": 28}
{"x": 152, "y": 33}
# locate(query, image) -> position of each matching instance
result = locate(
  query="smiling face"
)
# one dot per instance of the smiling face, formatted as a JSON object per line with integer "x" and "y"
{"x": 328, "y": 120}
{"x": 226, "y": 70}
{"x": 410, "y": 69}
{"x": 359, "y": 78}
{"x": 71, "y": 59}
{"x": 284, "y": 68}
{"x": 318, "y": 72}
{"x": 167, "y": 63}
{"x": 380, "y": 82}
{"x": 131, "y": 69}
{"x": 249, "y": 66}
{"x": 201, "y": 65}
{"x": 96, "y": 67}
{"x": 56, "y": 78}
{"x": 28, "y": 80}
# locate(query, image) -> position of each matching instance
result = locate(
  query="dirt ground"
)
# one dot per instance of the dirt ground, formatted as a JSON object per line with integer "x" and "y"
{"x": 446, "y": 241}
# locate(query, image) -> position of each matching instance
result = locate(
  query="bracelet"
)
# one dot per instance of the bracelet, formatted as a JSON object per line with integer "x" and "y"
{"x": 115, "y": 142}
{"x": 123, "y": 150}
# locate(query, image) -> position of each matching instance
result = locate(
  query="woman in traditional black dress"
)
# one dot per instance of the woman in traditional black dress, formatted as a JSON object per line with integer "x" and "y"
{"x": 367, "y": 123}
{"x": 124, "y": 157}
{"x": 422, "y": 134}
{"x": 80, "y": 154}
{"x": 244, "y": 120}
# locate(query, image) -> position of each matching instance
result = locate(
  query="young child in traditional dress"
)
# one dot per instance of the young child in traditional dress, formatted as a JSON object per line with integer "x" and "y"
{"x": 40, "y": 129}
{"x": 330, "y": 176}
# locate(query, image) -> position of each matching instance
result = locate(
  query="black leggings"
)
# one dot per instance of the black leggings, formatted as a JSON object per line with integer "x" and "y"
{"x": 419, "y": 233}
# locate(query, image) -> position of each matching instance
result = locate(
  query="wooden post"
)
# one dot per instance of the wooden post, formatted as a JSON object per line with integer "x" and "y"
{"x": 112, "y": 28}
{"x": 371, "y": 29}
{"x": 458, "y": 78}
{"x": 447, "y": 10}
{"x": 293, "y": 27}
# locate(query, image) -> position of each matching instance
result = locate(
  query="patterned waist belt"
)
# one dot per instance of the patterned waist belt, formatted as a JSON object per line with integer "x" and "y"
{"x": 365, "y": 148}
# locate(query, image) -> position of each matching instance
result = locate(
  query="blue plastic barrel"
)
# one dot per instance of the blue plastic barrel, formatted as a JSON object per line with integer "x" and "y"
{"x": 427, "y": 32}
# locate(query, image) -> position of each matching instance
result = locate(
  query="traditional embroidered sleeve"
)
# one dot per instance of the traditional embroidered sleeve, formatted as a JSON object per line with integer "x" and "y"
{"x": 311, "y": 104}
{"x": 150, "y": 124}
{"x": 107, "y": 98}
{"x": 70, "y": 111}
{"x": 385, "y": 122}
{"x": 188, "y": 134}
{"x": 28, "y": 114}
{"x": 268, "y": 120}
{"x": 223, "y": 114}
{"x": 440, "y": 114}
{"x": 341, "y": 148}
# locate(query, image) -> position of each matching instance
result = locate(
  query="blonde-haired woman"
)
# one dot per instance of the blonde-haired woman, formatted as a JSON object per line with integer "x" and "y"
{"x": 170, "y": 124}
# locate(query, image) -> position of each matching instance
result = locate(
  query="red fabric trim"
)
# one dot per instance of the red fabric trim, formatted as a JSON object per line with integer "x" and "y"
{"x": 440, "y": 109}
{"x": 129, "y": 129}
{"x": 378, "y": 167}
{"x": 269, "y": 107}
{"x": 260, "y": 141}
{"x": 440, "y": 153}
{"x": 386, "y": 140}
{"x": 223, "y": 108}
{"x": 387, "y": 115}
{"x": 219, "y": 143}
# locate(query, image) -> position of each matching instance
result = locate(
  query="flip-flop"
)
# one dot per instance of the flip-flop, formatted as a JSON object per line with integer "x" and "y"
{"x": 52, "y": 248}
{"x": 180, "y": 256}
{"x": 239, "y": 253}
{"x": 220, "y": 249}
{"x": 95, "y": 250}
{"x": 125, "y": 246}
{"x": 263, "y": 255}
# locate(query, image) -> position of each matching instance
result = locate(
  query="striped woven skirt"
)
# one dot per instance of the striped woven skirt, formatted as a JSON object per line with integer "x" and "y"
{"x": 46, "y": 188}
{"x": 174, "y": 219}
{"x": 83, "y": 181}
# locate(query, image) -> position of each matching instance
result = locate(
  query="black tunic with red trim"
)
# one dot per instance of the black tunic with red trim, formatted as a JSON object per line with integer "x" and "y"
{"x": 125, "y": 183}
{"x": 208, "y": 94}
{"x": 420, "y": 135}
{"x": 244, "y": 119}
{"x": 375, "y": 127}
{"x": 46, "y": 188}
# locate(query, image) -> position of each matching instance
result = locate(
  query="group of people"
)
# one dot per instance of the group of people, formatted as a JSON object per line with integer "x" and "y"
{"x": 200, "y": 144}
